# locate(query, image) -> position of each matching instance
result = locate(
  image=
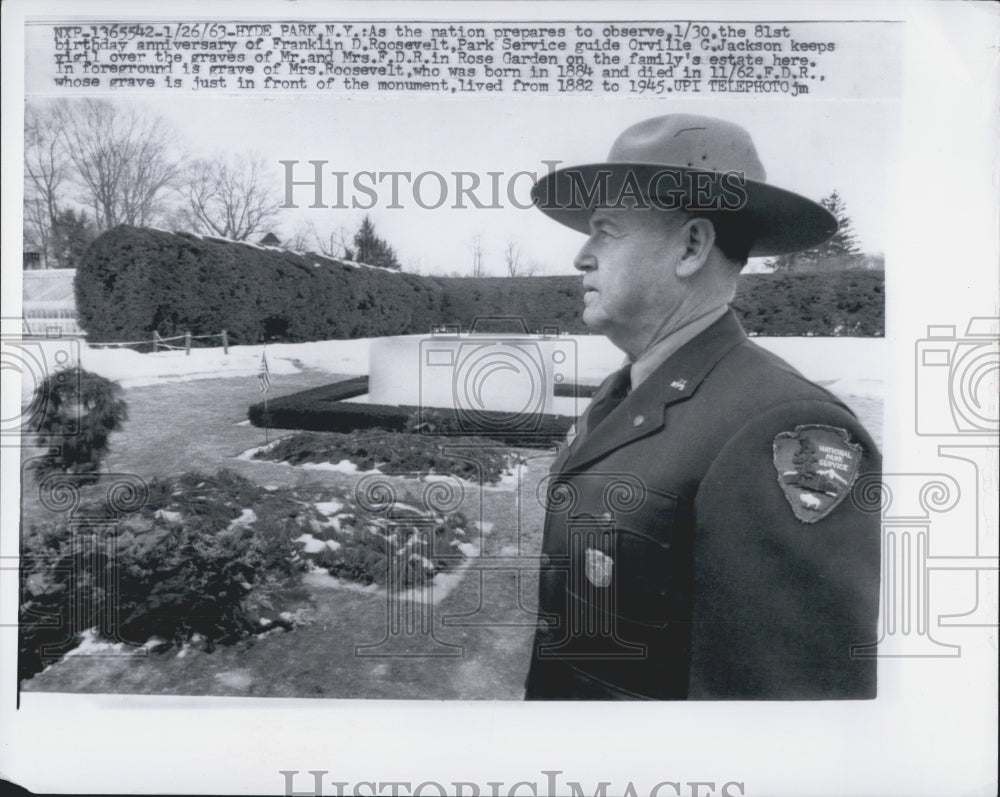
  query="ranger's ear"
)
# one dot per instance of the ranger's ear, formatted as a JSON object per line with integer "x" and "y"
{"x": 698, "y": 238}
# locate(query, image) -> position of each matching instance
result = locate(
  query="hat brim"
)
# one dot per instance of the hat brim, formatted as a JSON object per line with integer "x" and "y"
{"x": 783, "y": 221}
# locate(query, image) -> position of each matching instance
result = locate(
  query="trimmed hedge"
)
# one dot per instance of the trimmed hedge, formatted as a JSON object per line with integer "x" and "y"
{"x": 133, "y": 281}
{"x": 539, "y": 301}
{"x": 842, "y": 303}
{"x": 849, "y": 303}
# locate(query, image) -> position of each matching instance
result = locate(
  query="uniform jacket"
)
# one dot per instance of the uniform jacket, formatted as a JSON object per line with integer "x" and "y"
{"x": 685, "y": 556}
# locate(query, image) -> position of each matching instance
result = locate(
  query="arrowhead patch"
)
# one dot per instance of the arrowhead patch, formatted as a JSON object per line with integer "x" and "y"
{"x": 816, "y": 467}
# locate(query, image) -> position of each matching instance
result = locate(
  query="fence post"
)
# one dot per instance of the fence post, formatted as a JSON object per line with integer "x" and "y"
{"x": 225, "y": 342}
{"x": 156, "y": 341}
{"x": 187, "y": 342}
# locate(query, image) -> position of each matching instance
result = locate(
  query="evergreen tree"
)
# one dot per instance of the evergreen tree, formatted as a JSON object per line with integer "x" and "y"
{"x": 72, "y": 233}
{"x": 372, "y": 249}
{"x": 842, "y": 250}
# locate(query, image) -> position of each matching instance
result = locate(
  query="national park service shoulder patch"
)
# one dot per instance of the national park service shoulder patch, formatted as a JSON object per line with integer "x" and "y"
{"x": 816, "y": 467}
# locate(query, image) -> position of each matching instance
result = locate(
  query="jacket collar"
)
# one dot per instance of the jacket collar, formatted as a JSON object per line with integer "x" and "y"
{"x": 676, "y": 380}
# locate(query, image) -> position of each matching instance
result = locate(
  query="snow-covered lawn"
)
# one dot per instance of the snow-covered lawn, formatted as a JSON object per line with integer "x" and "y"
{"x": 848, "y": 366}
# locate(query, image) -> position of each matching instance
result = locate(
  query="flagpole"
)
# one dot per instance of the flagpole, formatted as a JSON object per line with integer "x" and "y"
{"x": 264, "y": 377}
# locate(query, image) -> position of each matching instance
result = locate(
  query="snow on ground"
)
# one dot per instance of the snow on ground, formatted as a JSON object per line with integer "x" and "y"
{"x": 247, "y": 516}
{"x": 250, "y": 452}
{"x": 511, "y": 480}
{"x": 344, "y": 466}
{"x": 328, "y": 508}
{"x": 858, "y": 363}
{"x": 133, "y": 369}
{"x": 92, "y": 644}
{"x": 312, "y": 545}
{"x": 319, "y": 578}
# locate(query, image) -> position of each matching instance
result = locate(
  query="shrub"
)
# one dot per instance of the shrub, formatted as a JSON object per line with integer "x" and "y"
{"x": 823, "y": 303}
{"x": 539, "y": 301}
{"x": 76, "y": 413}
{"x": 848, "y": 303}
{"x": 134, "y": 281}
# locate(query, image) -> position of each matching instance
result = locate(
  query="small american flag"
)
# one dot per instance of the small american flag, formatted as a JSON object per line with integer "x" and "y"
{"x": 264, "y": 375}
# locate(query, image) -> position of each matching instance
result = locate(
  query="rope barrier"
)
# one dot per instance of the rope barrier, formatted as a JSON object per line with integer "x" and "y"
{"x": 120, "y": 343}
{"x": 162, "y": 342}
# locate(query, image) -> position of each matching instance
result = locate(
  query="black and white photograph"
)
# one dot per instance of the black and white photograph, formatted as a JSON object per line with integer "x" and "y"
{"x": 386, "y": 384}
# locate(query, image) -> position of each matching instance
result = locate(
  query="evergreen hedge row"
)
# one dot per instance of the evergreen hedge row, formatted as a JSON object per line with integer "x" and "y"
{"x": 133, "y": 281}
{"x": 539, "y": 301}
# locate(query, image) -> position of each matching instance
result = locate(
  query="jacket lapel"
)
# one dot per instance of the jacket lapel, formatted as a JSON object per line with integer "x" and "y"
{"x": 644, "y": 411}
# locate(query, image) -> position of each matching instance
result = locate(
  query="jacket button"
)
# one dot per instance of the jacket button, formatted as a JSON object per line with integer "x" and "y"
{"x": 543, "y": 625}
{"x": 544, "y": 560}
{"x": 607, "y": 517}
{"x": 638, "y": 420}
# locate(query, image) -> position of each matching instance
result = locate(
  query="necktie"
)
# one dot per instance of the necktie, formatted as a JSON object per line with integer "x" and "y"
{"x": 618, "y": 388}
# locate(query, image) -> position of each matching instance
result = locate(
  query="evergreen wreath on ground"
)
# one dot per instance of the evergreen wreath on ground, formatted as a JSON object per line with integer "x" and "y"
{"x": 397, "y": 453}
{"x": 215, "y": 560}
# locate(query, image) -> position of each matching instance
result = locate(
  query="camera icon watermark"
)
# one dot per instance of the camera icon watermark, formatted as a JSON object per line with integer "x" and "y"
{"x": 45, "y": 366}
{"x": 497, "y": 380}
{"x": 956, "y": 380}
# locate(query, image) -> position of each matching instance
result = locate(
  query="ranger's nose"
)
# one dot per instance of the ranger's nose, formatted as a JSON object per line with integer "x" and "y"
{"x": 585, "y": 261}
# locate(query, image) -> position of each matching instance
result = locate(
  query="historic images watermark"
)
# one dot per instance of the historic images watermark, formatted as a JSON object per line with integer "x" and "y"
{"x": 547, "y": 783}
{"x": 956, "y": 380}
{"x": 499, "y": 378}
{"x": 35, "y": 358}
{"x": 663, "y": 188}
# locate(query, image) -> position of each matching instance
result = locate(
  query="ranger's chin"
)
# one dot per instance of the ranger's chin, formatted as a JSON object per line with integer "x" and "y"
{"x": 592, "y": 317}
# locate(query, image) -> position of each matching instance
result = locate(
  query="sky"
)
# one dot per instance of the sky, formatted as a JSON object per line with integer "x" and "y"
{"x": 809, "y": 146}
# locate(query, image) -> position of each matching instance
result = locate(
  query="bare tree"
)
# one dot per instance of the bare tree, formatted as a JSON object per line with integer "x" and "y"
{"x": 516, "y": 266}
{"x": 230, "y": 196}
{"x": 123, "y": 159}
{"x": 299, "y": 239}
{"x": 476, "y": 247}
{"x": 46, "y": 172}
{"x": 334, "y": 243}
{"x": 512, "y": 258}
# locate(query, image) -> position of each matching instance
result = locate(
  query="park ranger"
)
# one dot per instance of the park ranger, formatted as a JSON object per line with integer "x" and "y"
{"x": 703, "y": 535}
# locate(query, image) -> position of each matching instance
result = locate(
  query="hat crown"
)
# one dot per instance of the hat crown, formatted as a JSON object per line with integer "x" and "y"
{"x": 689, "y": 141}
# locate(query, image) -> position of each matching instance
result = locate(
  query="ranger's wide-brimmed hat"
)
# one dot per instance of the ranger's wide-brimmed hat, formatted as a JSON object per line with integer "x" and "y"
{"x": 693, "y": 163}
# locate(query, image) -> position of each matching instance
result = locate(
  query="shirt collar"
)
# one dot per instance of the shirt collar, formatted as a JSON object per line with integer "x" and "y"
{"x": 659, "y": 350}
